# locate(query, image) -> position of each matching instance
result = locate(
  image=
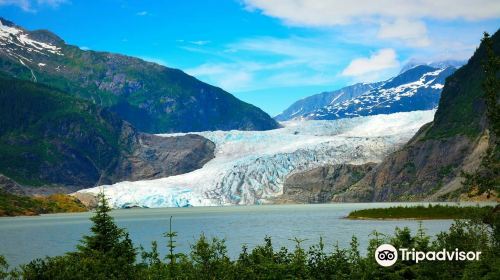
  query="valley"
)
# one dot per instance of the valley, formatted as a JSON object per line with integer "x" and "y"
{"x": 250, "y": 167}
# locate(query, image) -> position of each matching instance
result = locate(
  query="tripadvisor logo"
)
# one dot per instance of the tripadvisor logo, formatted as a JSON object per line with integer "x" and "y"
{"x": 387, "y": 255}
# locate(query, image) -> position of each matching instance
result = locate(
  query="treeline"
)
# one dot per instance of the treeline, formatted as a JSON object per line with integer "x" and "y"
{"x": 108, "y": 253}
{"x": 421, "y": 212}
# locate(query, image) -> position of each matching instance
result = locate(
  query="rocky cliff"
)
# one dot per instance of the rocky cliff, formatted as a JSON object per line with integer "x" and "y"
{"x": 320, "y": 184}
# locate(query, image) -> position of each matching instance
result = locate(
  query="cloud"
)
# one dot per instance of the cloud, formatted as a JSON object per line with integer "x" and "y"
{"x": 335, "y": 12}
{"x": 25, "y": 5}
{"x": 313, "y": 53}
{"x": 396, "y": 19}
{"x": 372, "y": 68}
{"x": 52, "y": 3}
{"x": 142, "y": 13}
{"x": 229, "y": 76}
{"x": 200, "y": 42}
{"x": 30, "y": 5}
{"x": 268, "y": 62}
{"x": 412, "y": 32}
{"x": 241, "y": 76}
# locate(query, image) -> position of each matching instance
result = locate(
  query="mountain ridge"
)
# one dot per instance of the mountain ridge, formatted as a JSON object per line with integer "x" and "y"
{"x": 417, "y": 88}
{"x": 151, "y": 97}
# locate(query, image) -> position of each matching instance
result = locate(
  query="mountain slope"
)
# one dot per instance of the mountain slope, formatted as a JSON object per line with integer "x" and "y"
{"x": 416, "y": 89}
{"x": 151, "y": 97}
{"x": 51, "y": 138}
{"x": 312, "y": 103}
{"x": 429, "y": 166}
{"x": 436, "y": 64}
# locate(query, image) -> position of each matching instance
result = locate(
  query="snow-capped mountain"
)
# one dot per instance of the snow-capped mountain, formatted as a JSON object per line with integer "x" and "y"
{"x": 318, "y": 101}
{"x": 436, "y": 64}
{"x": 250, "y": 167}
{"x": 418, "y": 88}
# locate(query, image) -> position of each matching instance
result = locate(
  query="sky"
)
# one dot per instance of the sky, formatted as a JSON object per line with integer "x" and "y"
{"x": 270, "y": 52}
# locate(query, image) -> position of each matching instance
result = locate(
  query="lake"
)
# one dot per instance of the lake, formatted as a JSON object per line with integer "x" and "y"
{"x": 26, "y": 238}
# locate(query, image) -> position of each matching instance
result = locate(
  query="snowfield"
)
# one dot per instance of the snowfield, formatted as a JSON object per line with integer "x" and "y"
{"x": 250, "y": 167}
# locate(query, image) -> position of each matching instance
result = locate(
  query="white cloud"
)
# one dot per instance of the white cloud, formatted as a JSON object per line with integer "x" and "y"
{"x": 229, "y": 76}
{"x": 396, "y": 19}
{"x": 25, "y": 5}
{"x": 267, "y": 62}
{"x": 372, "y": 68}
{"x": 313, "y": 53}
{"x": 52, "y": 3}
{"x": 335, "y": 12}
{"x": 244, "y": 76}
{"x": 142, "y": 13}
{"x": 412, "y": 32}
{"x": 200, "y": 42}
{"x": 29, "y": 5}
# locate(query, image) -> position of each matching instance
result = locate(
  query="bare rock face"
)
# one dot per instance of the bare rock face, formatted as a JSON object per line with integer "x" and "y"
{"x": 86, "y": 199}
{"x": 157, "y": 157}
{"x": 320, "y": 184}
{"x": 413, "y": 173}
{"x": 8, "y": 185}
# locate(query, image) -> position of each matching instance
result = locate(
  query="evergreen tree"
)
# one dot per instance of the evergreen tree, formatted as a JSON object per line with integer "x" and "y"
{"x": 109, "y": 246}
{"x": 487, "y": 177}
{"x": 3, "y": 268}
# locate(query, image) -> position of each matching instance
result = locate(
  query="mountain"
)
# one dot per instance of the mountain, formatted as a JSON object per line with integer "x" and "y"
{"x": 429, "y": 166}
{"x": 436, "y": 64}
{"x": 418, "y": 88}
{"x": 151, "y": 97}
{"x": 312, "y": 103}
{"x": 59, "y": 143}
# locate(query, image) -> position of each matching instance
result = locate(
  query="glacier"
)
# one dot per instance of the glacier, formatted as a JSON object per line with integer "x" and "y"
{"x": 250, "y": 167}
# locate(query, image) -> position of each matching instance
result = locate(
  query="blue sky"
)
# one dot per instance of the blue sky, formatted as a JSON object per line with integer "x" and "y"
{"x": 269, "y": 52}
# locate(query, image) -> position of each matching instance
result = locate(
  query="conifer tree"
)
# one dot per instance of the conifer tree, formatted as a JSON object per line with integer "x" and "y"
{"x": 107, "y": 239}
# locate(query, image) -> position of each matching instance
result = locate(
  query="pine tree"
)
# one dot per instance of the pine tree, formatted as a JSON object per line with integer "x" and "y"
{"x": 108, "y": 243}
{"x": 106, "y": 234}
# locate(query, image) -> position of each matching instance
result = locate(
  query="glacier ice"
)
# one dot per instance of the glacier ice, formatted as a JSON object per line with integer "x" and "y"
{"x": 250, "y": 166}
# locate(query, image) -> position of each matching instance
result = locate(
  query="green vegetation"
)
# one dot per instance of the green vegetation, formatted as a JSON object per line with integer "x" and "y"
{"x": 462, "y": 104}
{"x": 15, "y": 205}
{"x": 421, "y": 212}
{"x": 108, "y": 253}
{"x": 48, "y": 137}
{"x": 486, "y": 179}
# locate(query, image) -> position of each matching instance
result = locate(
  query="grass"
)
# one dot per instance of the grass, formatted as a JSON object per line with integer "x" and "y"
{"x": 429, "y": 212}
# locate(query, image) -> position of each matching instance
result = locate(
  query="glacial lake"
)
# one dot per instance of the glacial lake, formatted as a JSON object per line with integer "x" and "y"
{"x": 25, "y": 238}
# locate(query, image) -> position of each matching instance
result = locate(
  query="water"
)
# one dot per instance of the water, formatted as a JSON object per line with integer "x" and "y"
{"x": 25, "y": 238}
